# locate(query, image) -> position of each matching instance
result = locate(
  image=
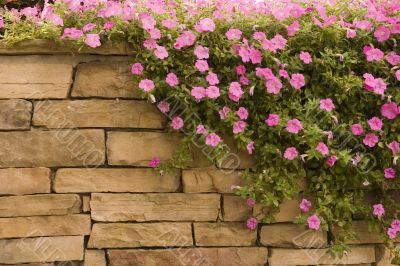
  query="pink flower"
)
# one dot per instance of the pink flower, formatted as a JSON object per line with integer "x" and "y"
{"x": 390, "y": 173}
{"x": 371, "y": 140}
{"x": 146, "y": 85}
{"x": 201, "y": 130}
{"x": 164, "y": 107}
{"x": 201, "y": 52}
{"x": 283, "y": 73}
{"x": 273, "y": 85}
{"x": 233, "y": 34}
{"x": 393, "y": 58}
{"x": 212, "y": 92}
{"x": 212, "y": 139}
{"x": 172, "y": 80}
{"x": 373, "y": 54}
{"x": 397, "y": 74}
{"x": 235, "y": 91}
{"x": 357, "y": 129}
{"x": 160, "y": 52}
{"x": 150, "y": 44}
{"x": 255, "y": 56}
{"x": 242, "y": 113}
{"x": 322, "y": 148}
{"x": 169, "y": 23}
{"x": 259, "y": 35}
{"x": 148, "y": 22}
{"x": 326, "y": 104}
{"x": 305, "y": 57}
{"x": 205, "y": 25}
{"x": 297, "y": 81}
{"x": 313, "y": 222}
{"x": 252, "y": 223}
{"x": 238, "y": 127}
{"x": 272, "y": 120}
{"x": 294, "y": 126}
{"x": 279, "y": 42}
{"x": 1, "y": 22}
{"x": 394, "y": 146}
{"x": 350, "y": 34}
{"x": 177, "y": 123}
{"x": 382, "y": 33}
{"x": 88, "y": 27}
{"x": 93, "y": 40}
{"x": 137, "y": 69}
{"x": 305, "y": 205}
{"x": 212, "y": 78}
{"x": 108, "y": 25}
{"x": 198, "y": 93}
{"x": 392, "y": 233}
{"x": 72, "y": 33}
{"x": 331, "y": 160}
{"x": 396, "y": 225}
{"x": 250, "y": 147}
{"x": 224, "y": 112}
{"x": 379, "y": 210}
{"x": 293, "y": 28}
{"x": 290, "y": 153}
{"x": 251, "y": 202}
{"x": 201, "y": 65}
{"x": 154, "y": 162}
{"x": 375, "y": 123}
{"x": 187, "y": 38}
{"x": 376, "y": 85}
{"x": 241, "y": 70}
{"x": 390, "y": 110}
{"x": 244, "y": 81}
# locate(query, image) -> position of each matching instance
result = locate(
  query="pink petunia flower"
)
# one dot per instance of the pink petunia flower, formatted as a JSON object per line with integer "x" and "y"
{"x": 390, "y": 110}
{"x": 373, "y": 54}
{"x": 272, "y": 120}
{"x": 259, "y": 35}
{"x": 242, "y": 113}
{"x": 88, "y": 27}
{"x": 290, "y": 153}
{"x": 205, "y": 25}
{"x": 313, "y": 222}
{"x": 244, "y": 81}
{"x": 212, "y": 78}
{"x": 375, "y": 123}
{"x": 297, "y": 81}
{"x": 250, "y": 147}
{"x": 392, "y": 233}
{"x": 233, "y": 34}
{"x": 238, "y": 127}
{"x": 109, "y": 25}
{"x": 93, "y": 40}
{"x": 201, "y": 65}
{"x": 201, "y": 52}
{"x": 241, "y": 70}
{"x": 394, "y": 146}
{"x": 305, "y": 57}
{"x": 251, "y": 202}
{"x": 350, "y": 34}
{"x": 146, "y": 85}
{"x": 331, "y": 160}
{"x": 161, "y": 52}
{"x": 164, "y": 107}
{"x": 305, "y": 205}
{"x": 187, "y": 38}
{"x": 326, "y": 104}
{"x": 154, "y": 162}
{"x": 224, "y": 112}
{"x": 235, "y": 91}
{"x": 357, "y": 129}
{"x": 177, "y": 123}
{"x": 198, "y": 93}
{"x": 397, "y": 74}
{"x": 293, "y": 28}
{"x": 273, "y": 85}
{"x": 378, "y": 210}
{"x": 137, "y": 69}
{"x": 169, "y": 23}
{"x": 72, "y": 33}
{"x": 172, "y": 80}
{"x": 252, "y": 223}
{"x": 322, "y": 148}
{"x": 393, "y": 58}
{"x": 294, "y": 126}
{"x": 212, "y": 140}
{"x": 377, "y": 85}
{"x": 382, "y": 33}
{"x": 371, "y": 140}
{"x": 212, "y": 92}
{"x": 389, "y": 173}
{"x": 283, "y": 73}
{"x": 201, "y": 130}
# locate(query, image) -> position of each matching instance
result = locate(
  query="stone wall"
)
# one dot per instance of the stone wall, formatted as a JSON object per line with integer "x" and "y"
{"x": 75, "y": 189}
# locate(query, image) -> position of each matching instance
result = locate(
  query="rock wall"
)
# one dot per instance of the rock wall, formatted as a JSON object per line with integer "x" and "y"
{"x": 75, "y": 189}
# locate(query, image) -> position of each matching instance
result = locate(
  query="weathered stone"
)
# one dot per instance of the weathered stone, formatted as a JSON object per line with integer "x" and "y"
{"x": 97, "y": 113}
{"x": 383, "y": 256}
{"x": 208, "y": 180}
{"x": 46, "y": 204}
{"x": 223, "y": 234}
{"x": 86, "y": 203}
{"x": 363, "y": 234}
{"x": 289, "y": 210}
{"x": 41, "y": 249}
{"x": 69, "y": 225}
{"x": 291, "y": 235}
{"x": 95, "y": 258}
{"x": 298, "y": 257}
{"x": 231, "y": 256}
{"x": 39, "y": 79}
{"x": 20, "y": 181}
{"x": 114, "y": 180}
{"x": 235, "y": 208}
{"x": 154, "y": 207}
{"x": 52, "y": 148}
{"x": 111, "y": 80}
{"x": 15, "y": 114}
{"x": 138, "y": 148}
{"x": 124, "y": 235}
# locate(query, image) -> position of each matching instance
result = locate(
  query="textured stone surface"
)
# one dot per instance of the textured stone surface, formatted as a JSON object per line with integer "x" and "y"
{"x": 124, "y": 235}
{"x": 291, "y": 235}
{"x": 235, "y": 208}
{"x": 97, "y": 113}
{"x": 383, "y": 256}
{"x": 69, "y": 225}
{"x": 39, "y": 80}
{"x": 114, "y": 180}
{"x": 111, "y": 80}
{"x": 15, "y": 114}
{"x": 209, "y": 180}
{"x": 363, "y": 236}
{"x": 154, "y": 207}
{"x": 289, "y": 210}
{"x": 297, "y": 257}
{"x": 41, "y": 249}
{"x": 19, "y": 181}
{"x": 46, "y": 204}
{"x": 95, "y": 258}
{"x": 138, "y": 148}
{"x": 189, "y": 257}
{"x": 52, "y": 148}
{"x": 223, "y": 234}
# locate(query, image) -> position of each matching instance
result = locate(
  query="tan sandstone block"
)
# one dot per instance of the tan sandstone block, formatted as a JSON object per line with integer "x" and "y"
{"x": 68, "y": 225}
{"x": 224, "y": 234}
{"x": 111, "y": 80}
{"x": 292, "y": 236}
{"x": 235, "y": 208}
{"x": 383, "y": 256}
{"x": 138, "y": 148}
{"x": 41, "y": 249}
{"x": 41, "y": 79}
{"x": 97, "y": 113}
{"x": 114, "y": 180}
{"x": 289, "y": 210}
{"x": 155, "y": 207}
{"x": 52, "y": 148}
{"x": 125, "y": 235}
{"x": 95, "y": 258}
{"x": 46, "y": 204}
{"x": 363, "y": 235}
{"x": 20, "y": 181}
{"x": 15, "y": 114}
{"x": 244, "y": 256}
{"x": 297, "y": 257}
{"x": 205, "y": 180}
